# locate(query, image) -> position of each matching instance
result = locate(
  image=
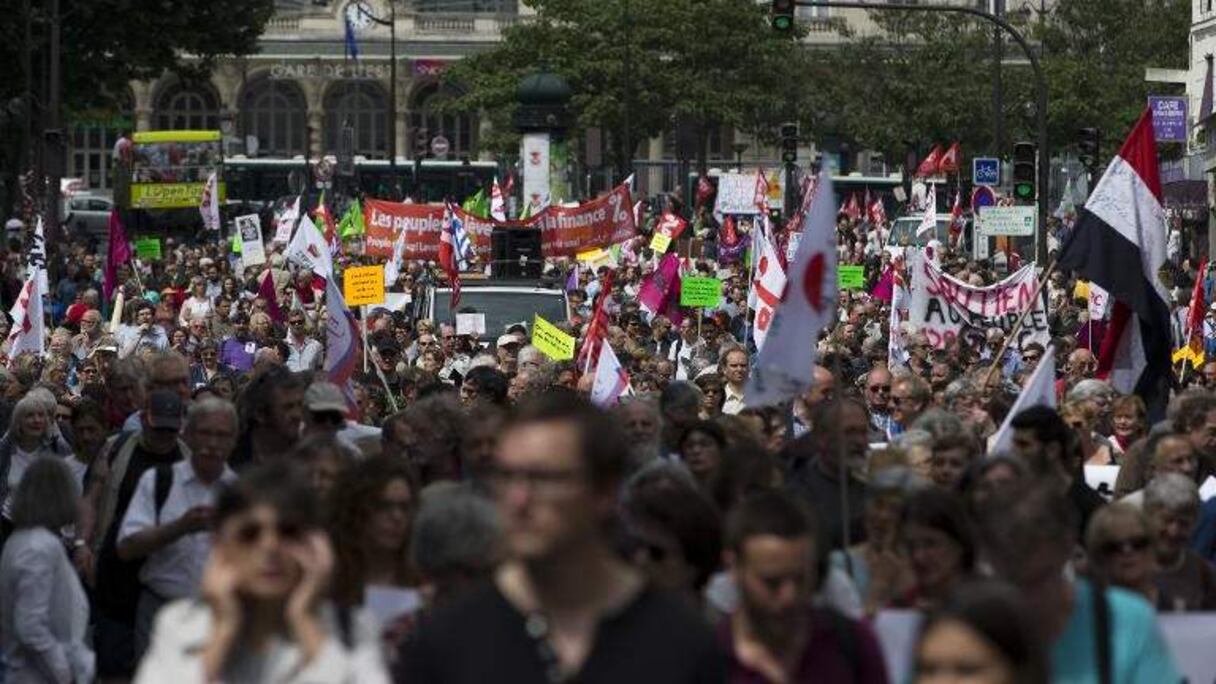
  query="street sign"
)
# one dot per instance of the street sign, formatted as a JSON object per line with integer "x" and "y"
{"x": 996, "y": 221}
{"x": 440, "y": 146}
{"x": 986, "y": 171}
{"x": 1169, "y": 118}
{"x": 982, "y": 196}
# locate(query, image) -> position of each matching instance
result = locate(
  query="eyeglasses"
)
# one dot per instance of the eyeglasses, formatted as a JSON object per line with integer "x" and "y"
{"x": 252, "y": 531}
{"x": 880, "y": 388}
{"x": 537, "y": 479}
{"x": 1118, "y": 546}
{"x": 298, "y": 321}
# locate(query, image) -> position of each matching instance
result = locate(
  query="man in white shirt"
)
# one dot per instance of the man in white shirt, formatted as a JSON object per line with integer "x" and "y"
{"x": 683, "y": 349}
{"x": 168, "y": 523}
{"x": 733, "y": 368}
{"x": 145, "y": 332}
{"x": 305, "y": 351}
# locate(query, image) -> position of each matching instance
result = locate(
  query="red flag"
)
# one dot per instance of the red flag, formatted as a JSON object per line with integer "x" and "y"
{"x": 760, "y": 196}
{"x": 877, "y": 212}
{"x": 671, "y": 225}
{"x": 928, "y": 167}
{"x": 956, "y": 219}
{"x": 851, "y": 208}
{"x": 949, "y": 161}
{"x": 266, "y": 292}
{"x": 447, "y": 256}
{"x": 705, "y": 190}
{"x": 331, "y": 228}
{"x": 597, "y": 329}
{"x": 509, "y": 186}
{"x": 730, "y": 235}
{"x": 118, "y": 253}
{"x": 1194, "y": 315}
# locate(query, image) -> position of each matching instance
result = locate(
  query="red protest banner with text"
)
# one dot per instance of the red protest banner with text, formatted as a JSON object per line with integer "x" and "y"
{"x": 422, "y": 223}
{"x": 607, "y": 220}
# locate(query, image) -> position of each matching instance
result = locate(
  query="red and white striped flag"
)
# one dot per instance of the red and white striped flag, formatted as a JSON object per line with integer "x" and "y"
{"x": 28, "y": 333}
{"x": 611, "y": 380}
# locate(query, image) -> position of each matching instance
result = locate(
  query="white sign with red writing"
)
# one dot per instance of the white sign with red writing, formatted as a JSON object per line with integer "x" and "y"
{"x": 768, "y": 286}
{"x": 945, "y": 309}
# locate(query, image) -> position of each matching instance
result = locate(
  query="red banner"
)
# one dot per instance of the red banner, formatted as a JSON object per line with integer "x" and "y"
{"x": 565, "y": 231}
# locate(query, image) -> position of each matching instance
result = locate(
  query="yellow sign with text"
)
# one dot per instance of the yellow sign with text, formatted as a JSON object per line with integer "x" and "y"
{"x": 551, "y": 341}
{"x": 362, "y": 285}
{"x": 170, "y": 195}
{"x": 660, "y": 242}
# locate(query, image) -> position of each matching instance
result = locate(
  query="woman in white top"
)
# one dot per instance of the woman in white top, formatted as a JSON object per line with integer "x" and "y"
{"x": 32, "y": 435}
{"x": 44, "y": 612}
{"x": 262, "y": 616}
{"x": 197, "y": 306}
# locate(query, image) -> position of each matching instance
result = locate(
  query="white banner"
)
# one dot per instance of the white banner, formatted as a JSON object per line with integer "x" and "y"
{"x": 534, "y": 157}
{"x": 253, "y": 252}
{"x": 944, "y": 308}
{"x": 736, "y": 194}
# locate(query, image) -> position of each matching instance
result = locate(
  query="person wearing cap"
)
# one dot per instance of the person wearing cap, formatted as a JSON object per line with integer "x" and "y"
{"x": 325, "y": 408}
{"x": 507, "y": 347}
{"x": 173, "y": 534}
{"x": 109, "y": 486}
{"x": 144, "y": 333}
{"x": 388, "y": 353}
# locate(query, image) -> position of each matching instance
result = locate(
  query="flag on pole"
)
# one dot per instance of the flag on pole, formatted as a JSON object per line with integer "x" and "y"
{"x": 1205, "y": 102}
{"x": 784, "y": 368}
{"x": 266, "y": 291}
{"x": 768, "y": 286}
{"x": 1119, "y": 244}
{"x": 611, "y": 381}
{"x": 928, "y": 222}
{"x": 949, "y": 161}
{"x": 597, "y": 329}
{"x": 851, "y": 208}
{"x": 760, "y": 195}
{"x": 118, "y": 252}
{"x": 498, "y": 203}
{"x": 660, "y": 291}
{"x": 308, "y": 249}
{"x": 341, "y": 342}
{"x": 1194, "y": 314}
{"x": 928, "y": 167}
{"x": 1040, "y": 390}
{"x": 27, "y": 333}
{"x": 877, "y": 212}
{"x": 286, "y": 222}
{"x": 351, "y": 224}
{"x": 705, "y": 190}
{"x": 392, "y": 269}
{"x": 956, "y": 219}
{"x": 332, "y": 239}
{"x": 476, "y": 204}
{"x": 35, "y": 256}
{"x": 453, "y": 251}
{"x": 210, "y": 205}
{"x": 352, "y": 45}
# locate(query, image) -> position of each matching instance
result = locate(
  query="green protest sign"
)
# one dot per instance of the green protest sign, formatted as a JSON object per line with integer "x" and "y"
{"x": 700, "y": 292}
{"x": 851, "y": 277}
{"x": 148, "y": 248}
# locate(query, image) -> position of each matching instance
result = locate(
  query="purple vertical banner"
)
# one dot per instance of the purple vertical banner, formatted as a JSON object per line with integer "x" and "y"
{"x": 1169, "y": 118}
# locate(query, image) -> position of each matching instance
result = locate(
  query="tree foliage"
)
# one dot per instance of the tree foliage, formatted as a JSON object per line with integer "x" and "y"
{"x": 709, "y": 62}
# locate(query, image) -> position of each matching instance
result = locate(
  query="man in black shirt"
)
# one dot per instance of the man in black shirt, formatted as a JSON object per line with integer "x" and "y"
{"x": 839, "y": 430}
{"x": 564, "y": 607}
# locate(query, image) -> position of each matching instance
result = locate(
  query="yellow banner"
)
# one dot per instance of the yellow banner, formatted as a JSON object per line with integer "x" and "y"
{"x": 363, "y": 285}
{"x": 175, "y": 136}
{"x": 170, "y": 195}
{"x": 551, "y": 341}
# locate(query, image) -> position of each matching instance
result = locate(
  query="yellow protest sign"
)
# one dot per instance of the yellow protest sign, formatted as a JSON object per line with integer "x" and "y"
{"x": 363, "y": 285}
{"x": 660, "y": 243}
{"x": 594, "y": 254}
{"x": 551, "y": 341}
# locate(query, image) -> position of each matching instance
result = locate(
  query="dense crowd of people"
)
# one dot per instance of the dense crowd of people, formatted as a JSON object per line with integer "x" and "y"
{"x": 186, "y": 494}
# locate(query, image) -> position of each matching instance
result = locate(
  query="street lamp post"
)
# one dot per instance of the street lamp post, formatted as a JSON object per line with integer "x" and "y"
{"x": 739, "y": 148}
{"x": 1044, "y": 167}
{"x": 391, "y": 23}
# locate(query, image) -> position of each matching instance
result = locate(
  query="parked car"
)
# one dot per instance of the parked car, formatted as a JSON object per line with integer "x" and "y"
{"x": 88, "y": 215}
{"x": 503, "y": 302}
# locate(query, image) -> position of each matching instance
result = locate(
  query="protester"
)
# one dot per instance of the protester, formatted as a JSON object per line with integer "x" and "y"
{"x": 1185, "y": 581}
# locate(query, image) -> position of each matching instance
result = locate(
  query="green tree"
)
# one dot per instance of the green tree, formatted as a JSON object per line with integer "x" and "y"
{"x": 708, "y": 62}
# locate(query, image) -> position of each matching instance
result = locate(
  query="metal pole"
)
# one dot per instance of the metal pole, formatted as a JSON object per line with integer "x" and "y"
{"x": 392, "y": 98}
{"x": 55, "y": 123}
{"x": 627, "y": 123}
{"x": 998, "y": 87}
{"x": 1044, "y": 171}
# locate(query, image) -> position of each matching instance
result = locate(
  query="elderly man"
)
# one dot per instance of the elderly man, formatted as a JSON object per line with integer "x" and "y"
{"x": 910, "y": 396}
{"x": 89, "y": 336}
{"x": 168, "y": 521}
{"x": 1185, "y": 581}
{"x": 878, "y": 397}
{"x": 734, "y": 369}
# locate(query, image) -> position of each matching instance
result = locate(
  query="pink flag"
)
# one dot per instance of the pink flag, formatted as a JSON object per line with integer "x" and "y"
{"x": 884, "y": 289}
{"x": 119, "y": 253}
{"x": 266, "y": 292}
{"x": 660, "y": 291}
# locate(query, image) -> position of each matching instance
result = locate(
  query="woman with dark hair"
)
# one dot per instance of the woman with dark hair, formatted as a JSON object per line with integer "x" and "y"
{"x": 980, "y": 635}
{"x": 263, "y": 616}
{"x": 713, "y": 393}
{"x": 939, "y": 543}
{"x": 44, "y": 612}
{"x": 701, "y": 448}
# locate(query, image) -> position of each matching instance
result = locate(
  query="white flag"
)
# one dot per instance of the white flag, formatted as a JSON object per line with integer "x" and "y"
{"x": 285, "y": 222}
{"x": 36, "y": 257}
{"x": 768, "y": 284}
{"x": 27, "y": 333}
{"x": 785, "y": 366}
{"x": 1040, "y": 390}
{"x": 309, "y": 250}
{"x": 498, "y": 205}
{"x": 611, "y": 380}
{"x": 210, "y": 206}
{"x": 392, "y": 269}
{"x": 929, "y": 222}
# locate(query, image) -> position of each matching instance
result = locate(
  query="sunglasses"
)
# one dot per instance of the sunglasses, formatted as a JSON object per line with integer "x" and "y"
{"x": 251, "y": 532}
{"x": 880, "y": 388}
{"x": 1115, "y": 547}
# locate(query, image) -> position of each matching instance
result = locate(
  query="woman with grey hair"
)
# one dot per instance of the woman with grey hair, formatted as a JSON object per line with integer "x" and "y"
{"x": 44, "y": 611}
{"x": 457, "y": 540}
{"x": 1185, "y": 581}
{"x": 31, "y": 436}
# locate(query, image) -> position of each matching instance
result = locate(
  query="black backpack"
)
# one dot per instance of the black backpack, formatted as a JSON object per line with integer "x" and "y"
{"x": 118, "y": 584}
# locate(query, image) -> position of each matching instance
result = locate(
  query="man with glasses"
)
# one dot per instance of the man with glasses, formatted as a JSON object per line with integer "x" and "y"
{"x": 89, "y": 336}
{"x": 878, "y": 399}
{"x": 565, "y": 606}
{"x": 910, "y": 397}
{"x": 305, "y": 352}
{"x": 145, "y": 333}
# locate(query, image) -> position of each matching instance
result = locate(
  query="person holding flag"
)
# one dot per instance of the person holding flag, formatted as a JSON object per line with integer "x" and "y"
{"x": 453, "y": 251}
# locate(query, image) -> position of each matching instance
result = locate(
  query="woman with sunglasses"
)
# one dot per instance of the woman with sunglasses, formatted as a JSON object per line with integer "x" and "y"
{"x": 1120, "y": 551}
{"x": 262, "y": 616}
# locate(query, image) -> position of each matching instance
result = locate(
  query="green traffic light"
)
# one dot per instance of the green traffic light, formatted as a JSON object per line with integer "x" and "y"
{"x": 783, "y": 23}
{"x": 1024, "y": 190}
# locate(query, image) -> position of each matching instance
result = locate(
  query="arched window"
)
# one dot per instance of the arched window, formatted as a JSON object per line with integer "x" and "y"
{"x": 365, "y": 106}
{"x": 459, "y": 129}
{"x": 94, "y": 132}
{"x": 183, "y": 106}
{"x": 275, "y": 112}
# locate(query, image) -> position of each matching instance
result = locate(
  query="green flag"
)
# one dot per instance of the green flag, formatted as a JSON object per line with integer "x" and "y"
{"x": 351, "y": 224}
{"x": 477, "y": 205}
{"x": 527, "y": 212}
{"x": 236, "y": 242}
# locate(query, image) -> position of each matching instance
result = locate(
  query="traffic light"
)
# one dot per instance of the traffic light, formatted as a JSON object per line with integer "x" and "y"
{"x": 1089, "y": 142}
{"x": 1024, "y": 167}
{"x": 789, "y": 143}
{"x": 783, "y": 15}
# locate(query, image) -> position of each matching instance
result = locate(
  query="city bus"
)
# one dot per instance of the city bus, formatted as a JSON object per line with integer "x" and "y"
{"x": 169, "y": 168}
{"x": 263, "y": 179}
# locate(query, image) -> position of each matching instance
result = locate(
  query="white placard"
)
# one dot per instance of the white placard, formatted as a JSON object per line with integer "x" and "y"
{"x": 737, "y": 194}
{"x": 1016, "y": 221}
{"x": 253, "y": 252}
{"x": 1101, "y": 479}
{"x": 470, "y": 324}
{"x": 534, "y": 157}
